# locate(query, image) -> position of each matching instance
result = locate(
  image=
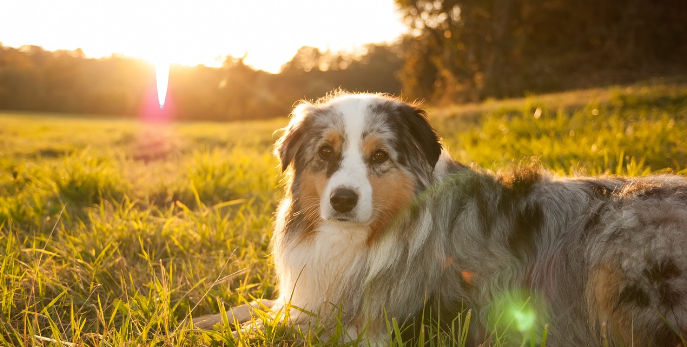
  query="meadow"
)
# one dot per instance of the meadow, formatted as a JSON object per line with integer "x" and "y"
{"x": 111, "y": 231}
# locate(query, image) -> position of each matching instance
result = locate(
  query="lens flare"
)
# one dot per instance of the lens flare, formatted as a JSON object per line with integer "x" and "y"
{"x": 162, "y": 78}
{"x": 519, "y": 314}
{"x": 524, "y": 318}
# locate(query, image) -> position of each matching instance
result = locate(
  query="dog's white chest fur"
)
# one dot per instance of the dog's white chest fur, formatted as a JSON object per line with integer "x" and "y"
{"x": 314, "y": 271}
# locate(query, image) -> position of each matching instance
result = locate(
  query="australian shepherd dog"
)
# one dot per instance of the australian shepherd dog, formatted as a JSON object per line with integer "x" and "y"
{"x": 379, "y": 223}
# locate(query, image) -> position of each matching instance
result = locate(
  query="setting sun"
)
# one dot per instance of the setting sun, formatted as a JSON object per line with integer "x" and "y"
{"x": 267, "y": 32}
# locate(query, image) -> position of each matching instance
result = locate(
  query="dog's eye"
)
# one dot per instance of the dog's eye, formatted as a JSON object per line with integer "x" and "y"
{"x": 380, "y": 156}
{"x": 326, "y": 152}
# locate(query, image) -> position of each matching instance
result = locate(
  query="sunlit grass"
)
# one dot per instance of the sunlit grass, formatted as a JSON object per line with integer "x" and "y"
{"x": 112, "y": 231}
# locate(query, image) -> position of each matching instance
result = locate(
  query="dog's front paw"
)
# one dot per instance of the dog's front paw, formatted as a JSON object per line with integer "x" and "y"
{"x": 239, "y": 314}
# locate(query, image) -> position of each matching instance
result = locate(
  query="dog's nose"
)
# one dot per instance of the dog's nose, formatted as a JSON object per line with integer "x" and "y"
{"x": 343, "y": 200}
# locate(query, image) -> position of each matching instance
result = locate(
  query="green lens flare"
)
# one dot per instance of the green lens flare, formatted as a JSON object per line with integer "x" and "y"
{"x": 524, "y": 318}
{"x": 518, "y": 314}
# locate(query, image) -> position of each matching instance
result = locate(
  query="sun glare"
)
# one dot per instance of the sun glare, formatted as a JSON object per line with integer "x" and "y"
{"x": 198, "y": 32}
{"x": 162, "y": 78}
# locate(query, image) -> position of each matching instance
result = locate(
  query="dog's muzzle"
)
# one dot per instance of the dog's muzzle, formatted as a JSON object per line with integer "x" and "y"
{"x": 343, "y": 200}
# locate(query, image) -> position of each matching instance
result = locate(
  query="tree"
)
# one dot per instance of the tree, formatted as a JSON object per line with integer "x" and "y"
{"x": 470, "y": 49}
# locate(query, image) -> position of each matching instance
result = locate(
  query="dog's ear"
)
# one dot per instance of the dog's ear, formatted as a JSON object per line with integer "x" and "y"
{"x": 291, "y": 142}
{"x": 423, "y": 135}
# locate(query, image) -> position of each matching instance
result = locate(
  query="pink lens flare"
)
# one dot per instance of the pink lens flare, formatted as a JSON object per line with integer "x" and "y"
{"x": 151, "y": 110}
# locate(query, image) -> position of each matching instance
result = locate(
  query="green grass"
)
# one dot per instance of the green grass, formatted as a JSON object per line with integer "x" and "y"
{"x": 111, "y": 231}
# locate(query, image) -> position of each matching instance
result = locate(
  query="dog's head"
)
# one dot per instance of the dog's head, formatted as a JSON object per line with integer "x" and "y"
{"x": 357, "y": 158}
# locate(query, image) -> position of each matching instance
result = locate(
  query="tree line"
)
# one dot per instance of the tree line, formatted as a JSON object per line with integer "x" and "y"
{"x": 34, "y": 79}
{"x": 468, "y": 50}
{"x": 456, "y": 51}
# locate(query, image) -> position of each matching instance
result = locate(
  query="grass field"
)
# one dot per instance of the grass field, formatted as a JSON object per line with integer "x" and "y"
{"x": 111, "y": 231}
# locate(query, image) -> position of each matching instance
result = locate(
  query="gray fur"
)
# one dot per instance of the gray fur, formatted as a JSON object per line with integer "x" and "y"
{"x": 631, "y": 229}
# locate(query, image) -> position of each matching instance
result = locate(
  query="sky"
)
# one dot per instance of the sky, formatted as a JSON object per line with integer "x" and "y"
{"x": 268, "y": 32}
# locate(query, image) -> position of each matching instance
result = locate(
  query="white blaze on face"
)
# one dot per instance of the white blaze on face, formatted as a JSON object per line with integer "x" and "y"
{"x": 162, "y": 79}
{"x": 352, "y": 172}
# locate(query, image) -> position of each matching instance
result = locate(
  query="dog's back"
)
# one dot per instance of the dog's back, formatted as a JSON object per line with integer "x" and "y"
{"x": 637, "y": 261}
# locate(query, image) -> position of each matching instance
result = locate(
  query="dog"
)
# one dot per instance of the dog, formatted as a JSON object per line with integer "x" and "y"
{"x": 379, "y": 223}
